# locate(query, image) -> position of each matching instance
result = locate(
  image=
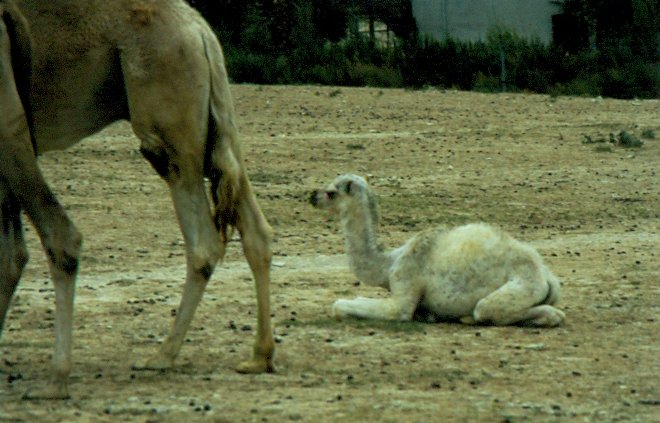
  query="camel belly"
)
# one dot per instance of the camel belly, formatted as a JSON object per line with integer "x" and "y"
{"x": 77, "y": 84}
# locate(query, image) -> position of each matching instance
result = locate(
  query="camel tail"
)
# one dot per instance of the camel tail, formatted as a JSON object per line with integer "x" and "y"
{"x": 223, "y": 158}
{"x": 21, "y": 58}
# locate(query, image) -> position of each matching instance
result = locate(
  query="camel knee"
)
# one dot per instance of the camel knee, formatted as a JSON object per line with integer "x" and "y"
{"x": 481, "y": 313}
{"x": 204, "y": 270}
{"x": 64, "y": 251}
{"x": 510, "y": 313}
{"x": 488, "y": 311}
{"x": 203, "y": 260}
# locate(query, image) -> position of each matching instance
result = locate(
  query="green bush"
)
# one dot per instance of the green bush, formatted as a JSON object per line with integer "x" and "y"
{"x": 250, "y": 67}
{"x": 616, "y": 70}
{"x": 635, "y": 80}
{"x": 369, "y": 75}
{"x": 486, "y": 84}
{"x": 583, "y": 85}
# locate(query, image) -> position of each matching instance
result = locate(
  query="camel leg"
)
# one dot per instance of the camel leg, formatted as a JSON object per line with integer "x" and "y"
{"x": 399, "y": 307}
{"x": 14, "y": 135}
{"x": 21, "y": 178}
{"x": 203, "y": 249}
{"x": 169, "y": 112}
{"x": 13, "y": 253}
{"x": 391, "y": 309}
{"x": 256, "y": 235}
{"x": 517, "y": 302}
{"x": 171, "y": 104}
{"x": 61, "y": 242}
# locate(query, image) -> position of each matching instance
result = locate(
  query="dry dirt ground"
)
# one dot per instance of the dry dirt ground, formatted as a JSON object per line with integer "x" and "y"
{"x": 516, "y": 160}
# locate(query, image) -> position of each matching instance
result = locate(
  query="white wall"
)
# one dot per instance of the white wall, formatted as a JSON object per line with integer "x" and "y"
{"x": 470, "y": 20}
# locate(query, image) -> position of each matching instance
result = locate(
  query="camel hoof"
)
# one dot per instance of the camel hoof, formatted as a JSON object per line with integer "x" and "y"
{"x": 157, "y": 362}
{"x": 256, "y": 366}
{"x": 53, "y": 391}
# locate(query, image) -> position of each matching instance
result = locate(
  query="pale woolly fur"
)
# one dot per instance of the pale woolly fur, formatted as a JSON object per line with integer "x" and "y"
{"x": 474, "y": 273}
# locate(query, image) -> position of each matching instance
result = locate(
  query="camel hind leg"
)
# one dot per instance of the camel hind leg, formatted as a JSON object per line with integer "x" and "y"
{"x": 202, "y": 254}
{"x": 256, "y": 235}
{"x": 178, "y": 158}
{"x": 13, "y": 252}
{"x": 236, "y": 204}
{"x": 14, "y": 135}
{"x": 166, "y": 151}
{"x": 518, "y": 301}
{"x": 181, "y": 110}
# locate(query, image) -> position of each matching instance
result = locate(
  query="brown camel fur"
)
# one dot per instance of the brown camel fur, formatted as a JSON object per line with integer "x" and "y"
{"x": 158, "y": 64}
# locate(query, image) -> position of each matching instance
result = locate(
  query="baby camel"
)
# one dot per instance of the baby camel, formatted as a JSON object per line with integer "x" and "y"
{"x": 474, "y": 273}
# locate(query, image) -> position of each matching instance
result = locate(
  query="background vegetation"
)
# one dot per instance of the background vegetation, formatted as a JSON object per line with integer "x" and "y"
{"x": 601, "y": 47}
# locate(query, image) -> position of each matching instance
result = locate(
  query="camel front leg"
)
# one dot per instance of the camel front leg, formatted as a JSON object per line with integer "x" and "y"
{"x": 405, "y": 296}
{"x": 61, "y": 361}
{"x": 256, "y": 235}
{"x": 61, "y": 241}
{"x": 389, "y": 309}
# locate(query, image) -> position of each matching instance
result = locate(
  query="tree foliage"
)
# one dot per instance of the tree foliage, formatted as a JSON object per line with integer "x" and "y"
{"x": 608, "y": 47}
{"x": 623, "y": 43}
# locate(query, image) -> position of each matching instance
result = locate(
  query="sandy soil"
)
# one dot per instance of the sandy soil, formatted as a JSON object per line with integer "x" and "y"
{"x": 434, "y": 157}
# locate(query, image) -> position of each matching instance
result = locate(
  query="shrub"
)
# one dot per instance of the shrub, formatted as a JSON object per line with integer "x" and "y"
{"x": 361, "y": 74}
{"x": 648, "y": 133}
{"x": 633, "y": 80}
{"x": 486, "y": 84}
{"x": 617, "y": 69}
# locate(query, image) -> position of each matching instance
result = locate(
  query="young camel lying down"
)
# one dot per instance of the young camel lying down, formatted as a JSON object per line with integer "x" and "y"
{"x": 474, "y": 273}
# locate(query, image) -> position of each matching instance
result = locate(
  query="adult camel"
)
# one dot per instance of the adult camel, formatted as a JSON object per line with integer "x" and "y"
{"x": 158, "y": 64}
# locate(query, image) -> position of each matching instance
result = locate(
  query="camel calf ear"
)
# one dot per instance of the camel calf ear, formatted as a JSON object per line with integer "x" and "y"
{"x": 349, "y": 186}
